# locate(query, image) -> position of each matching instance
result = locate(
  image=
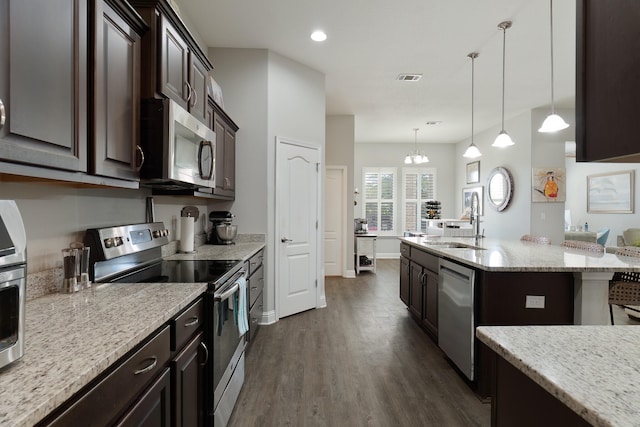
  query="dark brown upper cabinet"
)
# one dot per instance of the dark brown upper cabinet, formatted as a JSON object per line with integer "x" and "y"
{"x": 116, "y": 91}
{"x": 607, "y": 80}
{"x": 43, "y": 83}
{"x": 69, "y": 84}
{"x": 225, "y": 167}
{"x": 173, "y": 64}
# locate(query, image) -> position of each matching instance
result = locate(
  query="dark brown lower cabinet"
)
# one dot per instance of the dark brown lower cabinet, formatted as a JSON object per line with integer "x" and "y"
{"x": 111, "y": 398}
{"x": 188, "y": 375}
{"x": 430, "y": 302}
{"x": 160, "y": 383}
{"x": 153, "y": 409}
{"x": 519, "y": 401}
{"x": 415, "y": 290}
{"x": 404, "y": 280}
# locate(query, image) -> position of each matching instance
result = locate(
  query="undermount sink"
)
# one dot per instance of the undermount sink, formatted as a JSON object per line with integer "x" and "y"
{"x": 453, "y": 245}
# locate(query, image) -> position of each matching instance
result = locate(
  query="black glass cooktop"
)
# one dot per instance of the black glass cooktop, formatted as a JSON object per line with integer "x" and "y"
{"x": 181, "y": 271}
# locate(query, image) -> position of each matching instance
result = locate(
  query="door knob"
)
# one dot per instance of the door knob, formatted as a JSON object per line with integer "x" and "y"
{"x": 285, "y": 240}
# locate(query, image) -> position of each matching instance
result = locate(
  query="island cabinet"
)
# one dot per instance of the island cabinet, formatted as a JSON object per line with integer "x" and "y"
{"x": 255, "y": 288}
{"x": 173, "y": 64}
{"x": 517, "y": 400}
{"x": 420, "y": 284}
{"x": 405, "y": 278}
{"x": 64, "y": 112}
{"x": 225, "y": 164}
{"x": 518, "y": 299}
{"x": 159, "y": 383}
{"x": 607, "y": 80}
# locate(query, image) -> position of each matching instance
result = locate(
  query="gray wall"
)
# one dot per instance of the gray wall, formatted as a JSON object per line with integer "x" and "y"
{"x": 441, "y": 157}
{"x": 340, "y": 152}
{"x": 267, "y": 95}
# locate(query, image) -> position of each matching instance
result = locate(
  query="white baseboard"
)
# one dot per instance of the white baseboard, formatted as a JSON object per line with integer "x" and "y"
{"x": 391, "y": 255}
{"x": 268, "y": 318}
{"x": 351, "y": 274}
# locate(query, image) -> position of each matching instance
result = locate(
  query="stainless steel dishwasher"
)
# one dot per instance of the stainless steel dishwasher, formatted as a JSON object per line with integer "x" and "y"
{"x": 456, "y": 330}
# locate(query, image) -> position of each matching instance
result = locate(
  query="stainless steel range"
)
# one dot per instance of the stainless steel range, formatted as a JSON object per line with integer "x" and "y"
{"x": 133, "y": 254}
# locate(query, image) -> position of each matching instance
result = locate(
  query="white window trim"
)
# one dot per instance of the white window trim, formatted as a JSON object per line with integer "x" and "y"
{"x": 394, "y": 200}
{"x": 416, "y": 170}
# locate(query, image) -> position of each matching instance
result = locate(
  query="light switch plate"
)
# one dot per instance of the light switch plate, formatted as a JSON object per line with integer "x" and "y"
{"x": 534, "y": 301}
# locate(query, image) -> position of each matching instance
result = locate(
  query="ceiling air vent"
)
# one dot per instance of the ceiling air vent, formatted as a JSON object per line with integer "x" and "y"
{"x": 409, "y": 77}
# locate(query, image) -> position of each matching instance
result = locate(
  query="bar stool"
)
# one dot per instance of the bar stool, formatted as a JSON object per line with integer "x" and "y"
{"x": 624, "y": 287}
{"x": 583, "y": 246}
{"x": 536, "y": 239}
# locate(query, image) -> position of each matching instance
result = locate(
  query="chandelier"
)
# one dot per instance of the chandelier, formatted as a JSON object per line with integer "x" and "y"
{"x": 416, "y": 156}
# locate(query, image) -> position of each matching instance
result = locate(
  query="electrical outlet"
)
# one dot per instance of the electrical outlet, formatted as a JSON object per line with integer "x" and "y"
{"x": 534, "y": 301}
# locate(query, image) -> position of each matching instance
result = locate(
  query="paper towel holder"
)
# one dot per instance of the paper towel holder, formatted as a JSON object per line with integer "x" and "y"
{"x": 188, "y": 217}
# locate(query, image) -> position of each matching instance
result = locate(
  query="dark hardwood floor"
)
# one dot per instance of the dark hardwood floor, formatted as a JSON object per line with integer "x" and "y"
{"x": 361, "y": 361}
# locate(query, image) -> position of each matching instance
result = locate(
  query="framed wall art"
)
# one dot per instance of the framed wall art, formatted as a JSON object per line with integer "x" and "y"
{"x": 548, "y": 185}
{"x": 610, "y": 192}
{"x": 473, "y": 172}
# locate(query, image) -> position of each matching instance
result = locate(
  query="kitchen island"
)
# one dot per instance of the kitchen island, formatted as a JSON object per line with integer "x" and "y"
{"x": 591, "y": 271}
{"x": 71, "y": 339}
{"x": 565, "y": 375}
{"x": 506, "y": 283}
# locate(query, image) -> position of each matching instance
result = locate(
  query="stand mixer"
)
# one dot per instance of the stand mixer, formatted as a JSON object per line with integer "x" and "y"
{"x": 222, "y": 231}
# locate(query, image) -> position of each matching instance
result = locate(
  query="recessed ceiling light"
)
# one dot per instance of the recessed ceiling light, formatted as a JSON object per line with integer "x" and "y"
{"x": 318, "y": 36}
{"x": 433, "y": 122}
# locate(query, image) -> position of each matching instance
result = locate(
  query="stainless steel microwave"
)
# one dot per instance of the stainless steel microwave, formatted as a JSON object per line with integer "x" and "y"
{"x": 179, "y": 150}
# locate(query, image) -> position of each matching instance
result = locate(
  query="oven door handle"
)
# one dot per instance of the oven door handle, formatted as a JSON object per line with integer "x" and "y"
{"x": 217, "y": 297}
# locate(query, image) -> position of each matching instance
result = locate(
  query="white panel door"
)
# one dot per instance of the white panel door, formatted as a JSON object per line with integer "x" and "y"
{"x": 297, "y": 184}
{"x": 334, "y": 213}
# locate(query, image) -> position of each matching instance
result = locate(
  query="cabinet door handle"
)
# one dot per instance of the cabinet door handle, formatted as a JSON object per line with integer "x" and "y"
{"x": 254, "y": 288}
{"x": 192, "y": 321}
{"x": 3, "y": 115}
{"x": 154, "y": 362}
{"x": 254, "y": 320}
{"x": 195, "y": 97}
{"x": 188, "y": 92}
{"x": 141, "y": 162}
{"x": 206, "y": 353}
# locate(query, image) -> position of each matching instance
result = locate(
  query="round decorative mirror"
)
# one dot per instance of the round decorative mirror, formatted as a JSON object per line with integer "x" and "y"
{"x": 500, "y": 188}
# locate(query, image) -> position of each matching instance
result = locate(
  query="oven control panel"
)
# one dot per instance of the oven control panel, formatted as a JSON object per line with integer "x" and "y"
{"x": 112, "y": 242}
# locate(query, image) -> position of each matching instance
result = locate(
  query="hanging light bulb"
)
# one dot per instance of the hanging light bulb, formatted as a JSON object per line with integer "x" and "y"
{"x": 553, "y": 122}
{"x": 416, "y": 156}
{"x": 472, "y": 151}
{"x": 503, "y": 139}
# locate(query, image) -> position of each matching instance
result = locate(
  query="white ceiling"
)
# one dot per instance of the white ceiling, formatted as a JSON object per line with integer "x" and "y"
{"x": 370, "y": 42}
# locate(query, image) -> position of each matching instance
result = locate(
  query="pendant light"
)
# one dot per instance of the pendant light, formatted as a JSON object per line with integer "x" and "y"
{"x": 416, "y": 156}
{"x": 472, "y": 151}
{"x": 503, "y": 139}
{"x": 553, "y": 122}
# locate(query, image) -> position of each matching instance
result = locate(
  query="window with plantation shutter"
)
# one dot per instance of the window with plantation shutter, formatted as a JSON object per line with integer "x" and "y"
{"x": 418, "y": 186}
{"x": 379, "y": 200}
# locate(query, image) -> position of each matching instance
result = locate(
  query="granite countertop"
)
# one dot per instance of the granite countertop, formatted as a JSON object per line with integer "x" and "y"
{"x": 516, "y": 255}
{"x": 239, "y": 251}
{"x": 594, "y": 370}
{"x": 72, "y": 338}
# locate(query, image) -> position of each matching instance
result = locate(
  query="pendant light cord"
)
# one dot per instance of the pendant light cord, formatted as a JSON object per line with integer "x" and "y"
{"x": 504, "y": 42}
{"x": 551, "y": 41}
{"x": 473, "y": 58}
